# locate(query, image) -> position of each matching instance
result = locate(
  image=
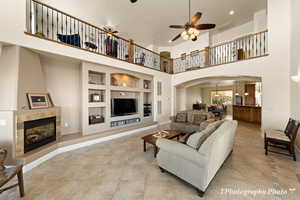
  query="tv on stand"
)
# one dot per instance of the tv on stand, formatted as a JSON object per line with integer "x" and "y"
{"x": 123, "y": 107}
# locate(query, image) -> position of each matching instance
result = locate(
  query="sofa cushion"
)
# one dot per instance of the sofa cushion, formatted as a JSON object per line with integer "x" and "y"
{"x": 178, "y": 126}
{"x": 196, "y": 139}
{"x": 181, "y": 117}
{"x": 184, "y": 127}
{"x": 189, "y": 128}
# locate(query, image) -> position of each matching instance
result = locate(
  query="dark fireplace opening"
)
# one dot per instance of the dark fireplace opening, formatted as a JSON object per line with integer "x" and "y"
{"x": 38, "y": 133}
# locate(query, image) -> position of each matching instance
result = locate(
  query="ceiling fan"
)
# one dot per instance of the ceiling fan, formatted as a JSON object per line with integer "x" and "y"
{"x": 109, "y": 30}
{"x": 191, "y": 30}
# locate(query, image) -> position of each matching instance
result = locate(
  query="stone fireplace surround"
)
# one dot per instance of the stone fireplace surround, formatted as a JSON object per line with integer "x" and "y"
{"x": 28, "y": 115}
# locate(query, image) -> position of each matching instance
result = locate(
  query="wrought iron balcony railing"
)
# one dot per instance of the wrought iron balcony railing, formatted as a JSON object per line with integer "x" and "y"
{"x": 49, "y": 23}
{"x": 46, "y": 22}
{"x": 247, "y": 47}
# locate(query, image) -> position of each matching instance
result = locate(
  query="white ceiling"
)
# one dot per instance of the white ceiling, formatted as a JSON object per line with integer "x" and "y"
{"x": 147, "y": 21}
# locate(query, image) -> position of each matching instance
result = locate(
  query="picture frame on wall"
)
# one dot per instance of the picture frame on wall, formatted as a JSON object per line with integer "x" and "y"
{"x": 39, "y": 100}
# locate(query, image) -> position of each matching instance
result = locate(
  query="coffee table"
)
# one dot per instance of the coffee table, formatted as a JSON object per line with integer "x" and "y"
{"x": 152, "y": 140}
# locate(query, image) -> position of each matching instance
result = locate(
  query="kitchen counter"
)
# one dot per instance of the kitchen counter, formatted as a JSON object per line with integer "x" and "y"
{"x": 247, "y": 113}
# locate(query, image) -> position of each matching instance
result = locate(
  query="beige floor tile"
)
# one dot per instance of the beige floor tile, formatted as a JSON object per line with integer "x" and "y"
{"x": 120, "y": 170}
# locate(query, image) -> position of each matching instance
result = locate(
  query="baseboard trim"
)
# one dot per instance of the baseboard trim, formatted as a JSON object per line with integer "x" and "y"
{"x": 72, "y": 147}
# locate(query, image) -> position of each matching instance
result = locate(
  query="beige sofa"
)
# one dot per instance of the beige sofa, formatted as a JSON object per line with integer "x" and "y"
{"x": 198, "y": 166}
{"x": 190, "y": 121}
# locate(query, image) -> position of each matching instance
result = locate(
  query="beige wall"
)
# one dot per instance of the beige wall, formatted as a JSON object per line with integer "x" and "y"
{"x": 193, "y": 95}
{"x": 31, "y": 77}
{"x": 62, "y": 79}
{"x": 9, "y": 66}
{"x": 295, "y": 63}
{"x": 180, "y": 99}
{"x": 7, "y": 128}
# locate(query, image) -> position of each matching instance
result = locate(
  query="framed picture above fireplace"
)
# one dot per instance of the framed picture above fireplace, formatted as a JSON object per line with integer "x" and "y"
{"x": 39, "y": 100}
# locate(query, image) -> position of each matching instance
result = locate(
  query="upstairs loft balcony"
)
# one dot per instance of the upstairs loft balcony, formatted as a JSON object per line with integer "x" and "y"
{"x": 49, "y": 23}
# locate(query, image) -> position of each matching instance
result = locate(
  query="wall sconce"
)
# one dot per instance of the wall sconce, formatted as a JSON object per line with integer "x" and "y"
{"x": 246, "y": 93}
{"x": 296, "y": 78}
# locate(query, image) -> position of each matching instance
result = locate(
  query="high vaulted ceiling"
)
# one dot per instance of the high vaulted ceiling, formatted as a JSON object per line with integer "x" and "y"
{"x": 147, "y": 21}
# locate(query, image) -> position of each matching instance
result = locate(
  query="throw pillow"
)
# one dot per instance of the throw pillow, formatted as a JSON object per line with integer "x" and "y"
{"x": 216, "y": 124}
{"x": 198, "y": 118}
{"x": 203, "y": 125}
{"x": 196, "y": 139}
{"x": 181, "y": 117}
{"x": 190, "y": 116}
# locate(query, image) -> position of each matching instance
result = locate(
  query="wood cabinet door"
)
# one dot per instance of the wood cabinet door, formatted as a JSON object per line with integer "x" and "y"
{"x": 250, "y": 98}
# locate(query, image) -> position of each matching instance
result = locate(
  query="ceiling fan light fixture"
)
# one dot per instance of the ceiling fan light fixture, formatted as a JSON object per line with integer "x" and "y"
{"x": 186, "y": 37}
{"x": 191, "y": 31}
{"x": 196, "y": 32}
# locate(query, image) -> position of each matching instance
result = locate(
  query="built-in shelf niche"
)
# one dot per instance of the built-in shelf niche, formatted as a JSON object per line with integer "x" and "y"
{"x": 147, "y": 104}
{"x": 147, "y": 84}
{"x": 124, "y": 80}
{"x": 96, "y": 78}
{"x": 96, "y": 115}
{"x": 96, "y": 96}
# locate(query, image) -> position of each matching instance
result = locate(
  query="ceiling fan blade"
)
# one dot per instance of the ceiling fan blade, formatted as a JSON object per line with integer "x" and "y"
{"x": 175, "y": 38}
{"x": 205, "y": 26}
{"x": 177, "y": 26}
{"x": 196, "y": 18}
{"x": 115, "y": 32}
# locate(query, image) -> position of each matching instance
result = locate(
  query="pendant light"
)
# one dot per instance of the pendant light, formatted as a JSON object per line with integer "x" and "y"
{"x": 216, "y": 95}
{"x": 236, "y": 92}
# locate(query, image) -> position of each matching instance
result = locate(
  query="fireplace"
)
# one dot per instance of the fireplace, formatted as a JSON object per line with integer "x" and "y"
{"x": 38, "y": 133}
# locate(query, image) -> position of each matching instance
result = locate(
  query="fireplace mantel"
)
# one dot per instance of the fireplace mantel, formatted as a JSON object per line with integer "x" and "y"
{"x": 28, "y": 115}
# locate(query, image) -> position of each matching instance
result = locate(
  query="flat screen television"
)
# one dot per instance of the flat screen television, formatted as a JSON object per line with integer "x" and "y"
{"x": 121, "y": 107}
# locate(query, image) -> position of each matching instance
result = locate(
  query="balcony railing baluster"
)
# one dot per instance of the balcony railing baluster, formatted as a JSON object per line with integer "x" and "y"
{"x": 44, "y": 19}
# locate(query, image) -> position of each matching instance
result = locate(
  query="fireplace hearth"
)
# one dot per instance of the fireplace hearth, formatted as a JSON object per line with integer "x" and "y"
{"x": 38, "y": 133}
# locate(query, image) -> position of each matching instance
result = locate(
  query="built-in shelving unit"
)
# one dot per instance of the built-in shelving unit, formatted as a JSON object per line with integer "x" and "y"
{"x": 101, "y": 84}
{"x": 147, "y": 105}
{"x": 96, "y": 115}
{"x": 96, "y": 78}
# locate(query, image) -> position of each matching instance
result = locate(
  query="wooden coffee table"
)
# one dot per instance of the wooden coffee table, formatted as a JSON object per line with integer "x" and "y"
{"x": 152, "y": 140}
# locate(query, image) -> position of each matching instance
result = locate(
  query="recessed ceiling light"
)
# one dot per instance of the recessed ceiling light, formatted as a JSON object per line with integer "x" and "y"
{"x": 231, "y": 12}
{"x": 170, "y": 41}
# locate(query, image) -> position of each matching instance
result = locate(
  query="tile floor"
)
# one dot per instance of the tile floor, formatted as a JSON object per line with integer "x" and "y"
{"x": 120, "y": 170}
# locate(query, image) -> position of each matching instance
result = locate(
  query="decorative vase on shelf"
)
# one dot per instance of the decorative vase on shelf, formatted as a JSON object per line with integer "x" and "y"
{"x": 3, "y": 154}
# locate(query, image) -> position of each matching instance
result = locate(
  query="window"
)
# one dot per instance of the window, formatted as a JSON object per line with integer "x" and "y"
{"x": 159, "y": 107}
{"x": 221, "y": 97}
{"x": 159, "y": 88}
